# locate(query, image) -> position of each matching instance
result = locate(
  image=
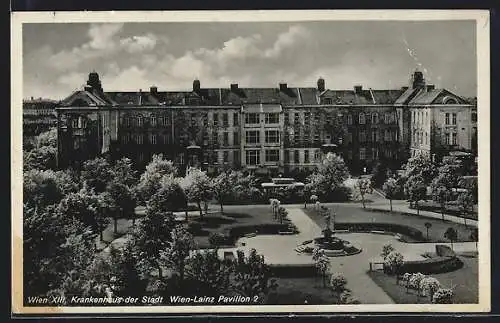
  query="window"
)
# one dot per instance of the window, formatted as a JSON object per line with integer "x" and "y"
{"x": 236, "y": 156}
{"x": 454, "y": 119}
{"x": 414, "y": 117}
{"x": 226, "y": 157}
{"x": 287, "y": 157}
{"x": 375, "y": 118}
{"x": 236, "y": 119}
{"x": 141, "y": 157}
{"x": 139, "y": 121}
{"x": 474, "y": 116}
{"x": 153, "y": 120}
{"x": 307, "y": 118}
{"x": 193, "y": 119}
{"x": 74, "y": 123}
{"x": 225, "y": 135}
{"x": 387, "y": 135}
{"x": 349, "y": 137}
{"x": 125, "y": 138}
{"x": 387, "y": 118}
{"x": 362, "y": 136}
{"x": 426, "y": 117}
{"x": 296, "y": 118}
{"x": 215, "y": 137}
{"x": 426, "y": 138}
{"x": 361, "y": 118}
{"x": 204, "y": 118}
{"x": 225, "y": 120}
{"x": 272, "y": 118}
{"x": 317, "y": 156}
{"x": 236, "y": 138}
{"x": 362, "y": 153}
{"x": 454, "y": 138}
{"x": 272, "y": 155}
{"x": 374, "y": 135}
{"x": 165, "y": 139}
{"x": 296, "y": 158}
{"x": 153, "y": 139}
{"x": 447, "y": 118}
{"x": 287, "y": 116}
{"x": 328, "y": 100}
{"x": 252, "y": 137}
{"x": 446, "y": 138}
{"x": 216, "y": 119}
{"x": 251, "y": 118}
{"x": 253, "y": 157}
{"x": 349, "y": 119}
{"x": 272, "y": 136}
{"x": 139, "y": 139}
{"x": 306, "y": 156}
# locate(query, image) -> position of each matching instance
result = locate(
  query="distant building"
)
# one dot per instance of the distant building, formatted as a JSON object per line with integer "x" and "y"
{"x": 39, "y": 115}
{"x": 282, "y": 130}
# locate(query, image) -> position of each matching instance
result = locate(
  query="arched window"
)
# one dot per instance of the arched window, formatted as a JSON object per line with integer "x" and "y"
{"x": 139, "y": 121}
{"x": 361, "y": 118}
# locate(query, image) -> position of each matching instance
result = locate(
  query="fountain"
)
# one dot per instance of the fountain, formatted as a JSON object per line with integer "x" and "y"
{"x": 332, "y": 245}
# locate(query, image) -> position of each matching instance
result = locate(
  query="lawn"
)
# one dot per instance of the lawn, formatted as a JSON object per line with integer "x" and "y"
{"x": 464, "y": 280}
{"x": 354, "y": 214}
{"x": 299, "y": 291}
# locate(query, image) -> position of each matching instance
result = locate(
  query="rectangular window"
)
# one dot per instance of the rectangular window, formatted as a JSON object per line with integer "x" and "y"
{"x": 216, "y": 119}
{"x": 139, "y": 139}
{"x": 236, "y": 138}
{"x": 272, "y": 136}
{"x": 349, "y": 137}
{"x": 454, "y": 119}
{"x": 205, "y": 120}
{"x": 306, "y": 156}
{"x": 387, "y": 135}
{"x": 251, "y": 118}
{"x": 296, "y": 118}
{"x": 253, "y": 157}
{"x": 272, "y": 155}
{"x": 296, "y": 157}
{"x": 307, "y": 118}
{"x": 153, "y": 139}
{"x": 74, "y": 123}
{"x": 374, "y": 118}
{"x": 252, "y": 137}
{"x": 387, "y": 118}
{"x": 362, "y": 136}
{"x": 166, "y": 139}
{"x": 287, "y": 157}
{"x": 446, "y": 138}
{"x": 349, "y": 119}
{"x": 328, "y": 100}
{"x": 454, "y": 138}
{"x": 225, "y": 156}
{"x": 374, "y": 135}
{"x": 193, "y": 119}
{"x": 287, "y": 116}
{"x": 153, "y": 121}
{"x": 215, "y": 138}
{"x": 361, "y": 118}
{"x": 362, "y": 153}
{"x": 317, "y": 156}
{"x": 125, "y": 138}
{"x": 474, "y": 116}
{"x": 225, "y": 135}
{"x": 225, "y": 120}
{"x": 236, "y": 156}
{"x": 271, "y": 118}
{"x": 447, "y": 118}
{"x": 236, "y": 119}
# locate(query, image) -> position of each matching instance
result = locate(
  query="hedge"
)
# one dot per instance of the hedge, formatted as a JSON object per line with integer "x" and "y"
{"x": 391, "y": 227}
{"x": 235, "y": 232}
{"x": 293, "y": 271}
{"x": 435, "y": 265}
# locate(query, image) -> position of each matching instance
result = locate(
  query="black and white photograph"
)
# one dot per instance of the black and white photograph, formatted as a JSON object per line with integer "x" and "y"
{"x": 250, "y": 161}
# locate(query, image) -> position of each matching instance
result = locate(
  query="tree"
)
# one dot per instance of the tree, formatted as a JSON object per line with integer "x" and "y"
{"x": 44, "y": 153}
{"x": 168, "y": 197}
{"x": 416, "y": 190}
{"x": 440, "y": 194}
{"x": 85, "y": 206}
{"x": 451, "y": 234}
{"x": 97, "y": 173}
{"x": 322, "y": 263}
{"x": 465, "y": 202}
{"x": 338, "y": 282}
{"x": 386, "y": 250}
{"x": 124, "y": 173}
{"x": 393, "y": 262}
{"x": 420, "y": 166}
{"x": 151, "y": 237}
{"x": 223, "y": 186}
{"x": 379, "y": 174}
{"x": 118, "y": 201}
{"x": 177, "y": 250}
{"x": 198, "y": 187}
{"x": 390, "y": 189}
{"x": 208, "y": 273}
{"x": 252, "y": 276}
{"x": 328, "y": 176}
{"x": 443, "y": 296}
{"x": 282, "y": 214}
{"x": 427, "y": 225}
{"x": 363, "y": 187}
{"x": 46, "y": 187}
{"x": 150, "y": 180}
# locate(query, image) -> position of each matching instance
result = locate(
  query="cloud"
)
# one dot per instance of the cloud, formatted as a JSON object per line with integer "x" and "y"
{"x": 288, "y": 40}
{"x": 137, "y": 44}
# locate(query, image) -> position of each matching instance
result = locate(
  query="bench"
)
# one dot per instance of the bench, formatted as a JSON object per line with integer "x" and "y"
{"x": 377, "y": 232}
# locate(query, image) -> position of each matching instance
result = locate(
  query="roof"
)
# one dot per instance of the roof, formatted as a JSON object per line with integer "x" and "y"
{"x": 406, "y": 96}
{"x": 426, "y": 97}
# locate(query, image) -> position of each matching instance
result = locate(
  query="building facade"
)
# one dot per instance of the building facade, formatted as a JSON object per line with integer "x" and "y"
{"x": 269, "y": 131}
{"x": 39, "y": 115}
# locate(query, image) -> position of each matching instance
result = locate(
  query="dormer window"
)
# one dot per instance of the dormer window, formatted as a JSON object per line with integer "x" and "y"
{"x": 328, "y": 100}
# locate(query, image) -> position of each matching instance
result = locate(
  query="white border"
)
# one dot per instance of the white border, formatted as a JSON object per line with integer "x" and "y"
{"x": 483, "y": 76}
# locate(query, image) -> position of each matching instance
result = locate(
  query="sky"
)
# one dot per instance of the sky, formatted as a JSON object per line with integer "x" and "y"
{"x": 57, "y": 57}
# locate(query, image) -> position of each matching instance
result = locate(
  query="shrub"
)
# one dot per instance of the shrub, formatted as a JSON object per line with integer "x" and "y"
{"x": 415, "y": 279}
{"x": 347, "y": 298}
{"x": 429, "y": 285}
{"x": 435, "y": 265}
{"x": 194, "y": 227}
{"x": 217, "y": 239}
{"x": 393, "y": 262}
{"x": 443, "y": 296}
{"x": 386, "y": 250}
{"x": 337, "y": 282}
{"x": 293, "y": 271}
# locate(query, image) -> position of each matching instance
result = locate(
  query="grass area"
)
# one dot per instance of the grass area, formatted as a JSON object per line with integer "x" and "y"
{"x": 299, "y": 291}
{"x": 464, "y": 280}
{"x": 347, "y": 214}
{"x": 449, "y": 209}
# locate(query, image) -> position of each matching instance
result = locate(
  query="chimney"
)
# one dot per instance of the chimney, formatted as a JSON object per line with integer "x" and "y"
{"x": 321, "y": 85}
{"x": 32, "y": 98}
{"x": 153, "y": 90}
{"x": 283, "y": 87}
{"x": 418, "y": 80}
{"x": 358, "y": 89}
{"x": 234, "y": 87}
{"x": 430, "y": 87}
{"x": 196, "y": 86}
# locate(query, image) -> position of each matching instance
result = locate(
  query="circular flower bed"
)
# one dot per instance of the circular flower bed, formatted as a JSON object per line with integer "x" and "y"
{"x": 332, "y": 246}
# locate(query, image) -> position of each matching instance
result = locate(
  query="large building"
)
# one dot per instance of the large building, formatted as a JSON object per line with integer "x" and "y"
{"x": 39, "y": 115}
{"x": 282, "y": 130}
